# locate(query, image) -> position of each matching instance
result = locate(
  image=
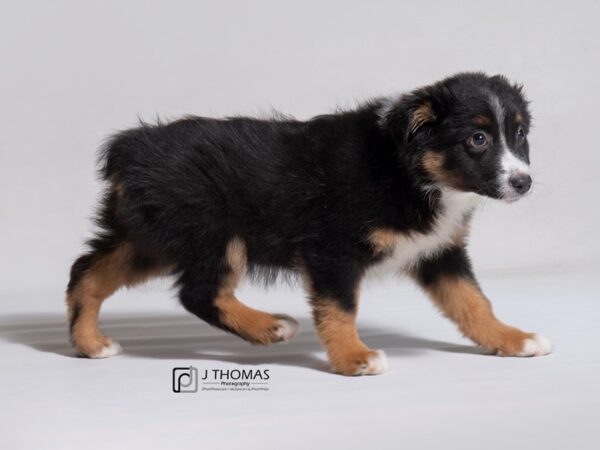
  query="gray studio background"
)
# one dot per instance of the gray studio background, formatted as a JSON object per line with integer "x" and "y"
{"x": 73, "y": 72}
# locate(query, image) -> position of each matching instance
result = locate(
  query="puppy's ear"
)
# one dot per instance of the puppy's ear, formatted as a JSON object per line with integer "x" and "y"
{"x": 413, "y": 115}
{"x": 419, "y": 116}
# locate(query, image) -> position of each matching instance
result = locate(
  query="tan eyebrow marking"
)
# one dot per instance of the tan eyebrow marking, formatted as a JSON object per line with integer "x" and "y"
{"x": 482, "y": 120}
{"x": 518, "y": 118}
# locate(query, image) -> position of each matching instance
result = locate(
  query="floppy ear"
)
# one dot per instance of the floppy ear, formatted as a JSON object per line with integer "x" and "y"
{"x": 413, "y": 115}
{"x": 419, "y": 116}
{"x": 409, "y": 116}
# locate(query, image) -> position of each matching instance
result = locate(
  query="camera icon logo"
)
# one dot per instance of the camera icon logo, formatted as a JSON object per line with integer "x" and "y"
{"x": 185, "y": 379}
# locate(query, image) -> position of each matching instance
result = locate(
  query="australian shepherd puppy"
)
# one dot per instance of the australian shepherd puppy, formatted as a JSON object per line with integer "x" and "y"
{"x": 394, "y": 181}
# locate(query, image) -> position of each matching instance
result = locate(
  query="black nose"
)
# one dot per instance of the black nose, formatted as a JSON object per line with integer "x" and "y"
{"x": 521, "y": 182}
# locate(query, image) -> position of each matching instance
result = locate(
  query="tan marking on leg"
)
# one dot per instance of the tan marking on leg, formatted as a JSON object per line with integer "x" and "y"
{"x": 236, "y": 260}
{"x": 383, "y": 240}
{"x": 463, "y": 302}
{"x": 256, "y": 326}
{"x": 433, "y": 163}
{"x": 347, "y": 353}
{"x": 336, "y": 330}
{"x": 102, "y": 279}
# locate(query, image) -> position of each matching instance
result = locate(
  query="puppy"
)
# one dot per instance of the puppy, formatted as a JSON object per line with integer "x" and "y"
{"x": 395, "y": 181}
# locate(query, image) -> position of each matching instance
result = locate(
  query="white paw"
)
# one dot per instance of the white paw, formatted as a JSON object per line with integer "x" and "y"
{"x": 376, "y": 364}
{"x": 110, "y": 350}
{"x": 538, "y": 346}
{"x": 286, "y": 328}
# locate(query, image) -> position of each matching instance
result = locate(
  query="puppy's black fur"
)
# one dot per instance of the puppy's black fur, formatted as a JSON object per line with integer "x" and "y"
{"x": 302, "y": 196}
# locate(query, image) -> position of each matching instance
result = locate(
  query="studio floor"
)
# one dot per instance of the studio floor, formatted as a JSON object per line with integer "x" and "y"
{"x": 440, "y": 391}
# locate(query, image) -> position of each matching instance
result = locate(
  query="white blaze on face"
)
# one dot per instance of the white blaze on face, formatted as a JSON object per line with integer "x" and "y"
{"x": 510, "y": 163}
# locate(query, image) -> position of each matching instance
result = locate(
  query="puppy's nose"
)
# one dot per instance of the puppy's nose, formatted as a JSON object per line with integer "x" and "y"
{"x": 521, "y": 182}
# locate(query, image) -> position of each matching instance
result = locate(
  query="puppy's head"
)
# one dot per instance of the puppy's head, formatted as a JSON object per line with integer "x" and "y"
{"x": 468, "y": 132}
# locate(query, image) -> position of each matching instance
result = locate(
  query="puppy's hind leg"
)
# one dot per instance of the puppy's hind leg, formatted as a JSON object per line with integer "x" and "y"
{"x": 94, "y": 277}
{"x": 207, "y": 290}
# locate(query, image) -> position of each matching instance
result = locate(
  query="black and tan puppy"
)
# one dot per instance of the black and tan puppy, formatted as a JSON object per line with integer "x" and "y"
{"x": 393, "y": 182}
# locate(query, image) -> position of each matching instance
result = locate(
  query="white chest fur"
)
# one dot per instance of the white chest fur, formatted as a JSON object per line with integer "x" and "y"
{"x": 405, "y": 250}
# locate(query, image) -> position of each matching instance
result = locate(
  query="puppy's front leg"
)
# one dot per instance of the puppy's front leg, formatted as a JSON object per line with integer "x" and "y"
{"x": 335, "y": 305}
{"x": 449, "y": 281}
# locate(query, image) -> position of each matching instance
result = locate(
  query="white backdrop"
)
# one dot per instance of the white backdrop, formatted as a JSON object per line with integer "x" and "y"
{"x": 72, "y": 72}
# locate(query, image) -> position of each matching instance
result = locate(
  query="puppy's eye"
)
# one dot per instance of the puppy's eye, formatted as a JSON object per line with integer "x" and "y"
{"x": 520, "y": 134}
{"x": 478, "y": 141}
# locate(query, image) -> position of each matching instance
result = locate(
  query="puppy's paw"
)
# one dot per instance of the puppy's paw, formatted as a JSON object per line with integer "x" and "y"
{"x": 376, "y": 364}
{"x": 286, "y": 328}
{"x": 537, "y": 345}
{"x": 529, "y": 345}
{"x": 369, "y": 362}
{"x": 98, "y": 348}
